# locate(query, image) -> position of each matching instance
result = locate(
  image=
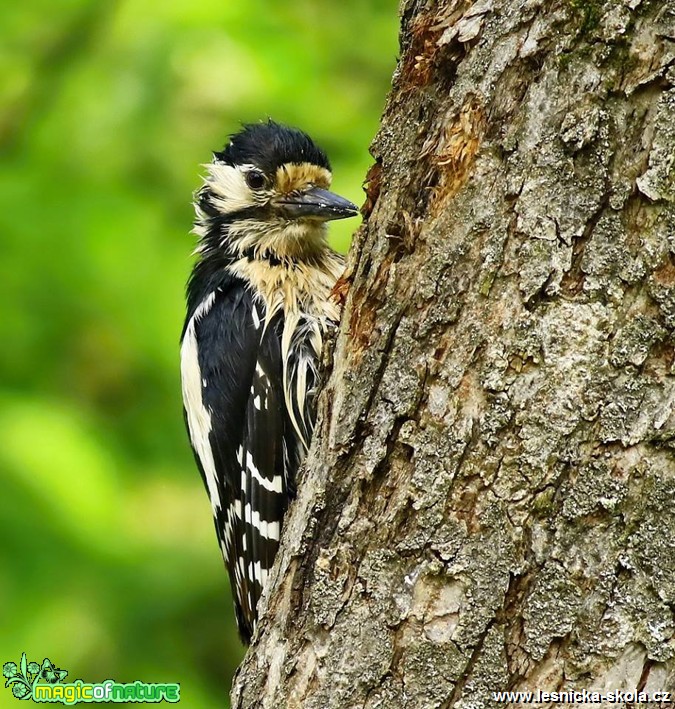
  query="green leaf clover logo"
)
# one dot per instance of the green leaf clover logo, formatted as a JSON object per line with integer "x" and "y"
{"x": 21, "y": 691}
{"x": 26, "y": 675}
{"x": 9, "y": 669}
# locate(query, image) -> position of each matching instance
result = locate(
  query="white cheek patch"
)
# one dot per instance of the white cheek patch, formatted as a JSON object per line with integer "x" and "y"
{"x": 228, "y": 184}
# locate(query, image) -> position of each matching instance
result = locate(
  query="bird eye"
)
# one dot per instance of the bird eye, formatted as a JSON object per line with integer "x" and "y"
{"x": 255, "y": 180}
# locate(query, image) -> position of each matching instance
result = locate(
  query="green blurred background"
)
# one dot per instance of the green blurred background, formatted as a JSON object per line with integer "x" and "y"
{"x": 110, "y": 566}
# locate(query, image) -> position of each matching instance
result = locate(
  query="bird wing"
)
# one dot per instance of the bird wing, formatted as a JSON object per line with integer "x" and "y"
{"x": 238, "y": 425}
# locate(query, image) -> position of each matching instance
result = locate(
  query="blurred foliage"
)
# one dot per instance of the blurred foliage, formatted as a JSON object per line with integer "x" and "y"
{"x": 107, "y": 109}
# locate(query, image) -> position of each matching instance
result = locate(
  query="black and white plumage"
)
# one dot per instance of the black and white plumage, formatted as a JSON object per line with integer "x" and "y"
{"x": 258, "y": 307}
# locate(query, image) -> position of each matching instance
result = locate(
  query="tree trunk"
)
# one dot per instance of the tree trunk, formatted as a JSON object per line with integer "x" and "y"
{"x": 489, "y": 500}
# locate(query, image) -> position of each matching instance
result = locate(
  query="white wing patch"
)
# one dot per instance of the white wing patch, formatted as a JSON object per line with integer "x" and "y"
{"x": 269, "y": 530}
{"x": 306, "y": 339}
{"x": 198, "y": 416}
{"x": 258, "y": 572}
{"x": 273, "y": 485}
{"x": 256, "y": 318}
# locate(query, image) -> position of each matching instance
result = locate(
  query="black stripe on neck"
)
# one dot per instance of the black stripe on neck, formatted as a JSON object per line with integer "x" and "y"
{"x": 251, "y": 255}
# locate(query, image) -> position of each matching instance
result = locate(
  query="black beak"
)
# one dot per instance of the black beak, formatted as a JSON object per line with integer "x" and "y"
{"x": 316, "y": 203}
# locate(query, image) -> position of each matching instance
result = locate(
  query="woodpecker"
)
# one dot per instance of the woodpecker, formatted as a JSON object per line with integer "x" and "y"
{"x": 259, "y": 307}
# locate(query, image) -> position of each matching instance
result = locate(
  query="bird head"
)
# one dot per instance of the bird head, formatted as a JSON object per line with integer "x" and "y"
{"x": 267, "y": 194}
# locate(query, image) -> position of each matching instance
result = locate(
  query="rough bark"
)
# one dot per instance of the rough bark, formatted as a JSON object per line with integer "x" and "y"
{"x": 488, "y": 503}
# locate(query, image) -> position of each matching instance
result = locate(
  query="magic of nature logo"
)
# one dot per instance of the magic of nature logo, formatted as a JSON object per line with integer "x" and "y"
{"x": 44, "y": 683}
